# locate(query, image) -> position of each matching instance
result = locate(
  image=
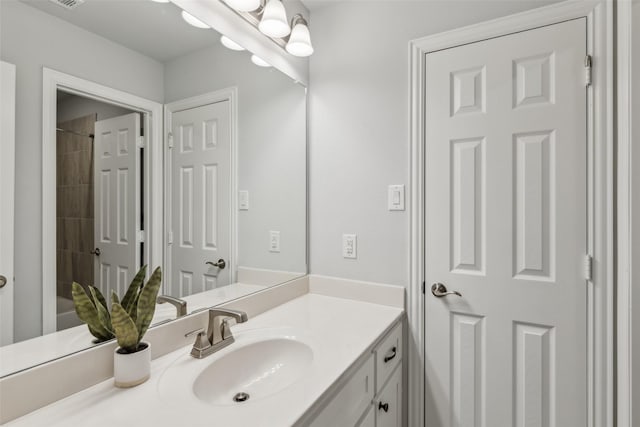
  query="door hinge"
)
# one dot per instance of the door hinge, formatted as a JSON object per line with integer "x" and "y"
{"x": 587, "y": 70}
{"x": 423, "y": 287}
{"x": 140, "y": 141}
{"x": 588, "y": 267}
{"x": 170, "y": 139}
{"x": 170, "y": 238}
{"x": 141, "y": 236}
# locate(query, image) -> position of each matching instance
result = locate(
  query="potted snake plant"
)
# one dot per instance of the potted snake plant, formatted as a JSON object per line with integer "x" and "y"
{"x": 127, "y": 321}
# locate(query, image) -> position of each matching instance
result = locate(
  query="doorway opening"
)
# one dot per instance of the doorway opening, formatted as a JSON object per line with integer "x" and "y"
{"x": 80, "y": 251}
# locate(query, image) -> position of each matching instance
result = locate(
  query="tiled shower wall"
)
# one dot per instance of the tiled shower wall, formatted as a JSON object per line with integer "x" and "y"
{"x": 75, "y": 216}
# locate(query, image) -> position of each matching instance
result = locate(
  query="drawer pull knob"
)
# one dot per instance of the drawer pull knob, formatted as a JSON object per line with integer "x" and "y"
{"x": 390, "y": 355}
{"x": 383, "y": 406}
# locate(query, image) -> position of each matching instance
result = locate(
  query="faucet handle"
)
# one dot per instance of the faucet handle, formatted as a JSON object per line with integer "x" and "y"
{"x": 225, "y": 328}
{"x": 194, "y": 332}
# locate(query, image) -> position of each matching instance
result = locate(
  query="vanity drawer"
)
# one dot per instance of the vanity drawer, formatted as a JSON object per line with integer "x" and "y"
{"x": 388, "y": 355}
{"x": 350, "y": 402}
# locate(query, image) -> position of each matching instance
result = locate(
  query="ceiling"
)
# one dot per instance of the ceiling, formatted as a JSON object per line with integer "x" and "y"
{"x": 153, "y": 29}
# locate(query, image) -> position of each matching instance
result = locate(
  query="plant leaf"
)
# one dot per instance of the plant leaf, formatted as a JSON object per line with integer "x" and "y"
{"x": 125, "y": 329}
{"x": 134, "y": 288}
{"x": 101, "y": 307}
{"x": 114, "y": 298}
{"x": 88, "y": 313}
{"x": 95, "y": 293}
{"x": 147, "y": 302}
{"x": 133, "y": 308}
{"x": 99, "y": 337}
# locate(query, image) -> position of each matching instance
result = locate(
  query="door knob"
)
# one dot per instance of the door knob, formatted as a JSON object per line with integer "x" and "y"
{"x": 3, "y": 281}
{"x": 439, "y": 290}
{"x": 96, "y": 252}
{"x": 221, "y": 264}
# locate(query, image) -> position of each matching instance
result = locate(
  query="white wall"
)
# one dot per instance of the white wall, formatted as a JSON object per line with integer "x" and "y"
{"x": 359, "y": 125}
{"x": 31, "y": 39}
{"x": 271, "y": 149}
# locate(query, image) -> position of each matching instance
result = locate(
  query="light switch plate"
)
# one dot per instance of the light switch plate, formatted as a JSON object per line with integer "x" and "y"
{"x": 243, "y": 200}
{"x": 274, "y": 241}
{"x": 349, "y": 246}
{"x": 396, "y": 197}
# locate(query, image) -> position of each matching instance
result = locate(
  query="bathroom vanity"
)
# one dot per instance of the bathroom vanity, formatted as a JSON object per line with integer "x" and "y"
{"x": 332, "y": 356}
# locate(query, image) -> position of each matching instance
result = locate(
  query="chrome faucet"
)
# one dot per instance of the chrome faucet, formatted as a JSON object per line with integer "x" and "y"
{"x": 218, "y": 334}
{"x": 180, "y": 305}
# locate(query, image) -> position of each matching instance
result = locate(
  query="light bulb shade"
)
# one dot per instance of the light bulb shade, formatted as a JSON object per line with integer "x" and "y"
{"x": 274, "y": 20}
{"x": 230, "y": 44}
{"x": 192, "y": 20}
{"x": 243, "y": 5}
{"x": 299, "y": 43}
{"x": 259, "y": 61}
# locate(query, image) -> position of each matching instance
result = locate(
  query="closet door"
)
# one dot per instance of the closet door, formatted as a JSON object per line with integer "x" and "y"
{"x": 506, "y": 231}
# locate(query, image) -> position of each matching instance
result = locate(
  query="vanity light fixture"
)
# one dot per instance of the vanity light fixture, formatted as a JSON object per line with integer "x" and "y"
{"x": 274, "y": 20}
{"x": 259, "y": 61}
{"x": 270, "y": 17}
{"x": 244, "y": 5}
{"x": 192, "y": 20}
{"x": 230, "y": 44}
{"x": 299, "y": 43}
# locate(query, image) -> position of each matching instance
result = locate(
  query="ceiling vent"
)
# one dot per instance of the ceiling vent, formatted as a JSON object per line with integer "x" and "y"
{"x": 68, "y": 4}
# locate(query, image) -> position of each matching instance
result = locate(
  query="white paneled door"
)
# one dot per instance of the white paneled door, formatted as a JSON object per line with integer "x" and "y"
{"x": 117, "y": 195}
{"x": 7, "y": 192}
{"x": 506, "y": 227}
{"x": 200, "y": 198}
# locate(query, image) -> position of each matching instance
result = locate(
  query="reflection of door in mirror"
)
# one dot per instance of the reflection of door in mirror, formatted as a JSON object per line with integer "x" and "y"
{"x": 117, "y": 249}
{"x": 97, "y": 198}
{"x": 7, "y": 178}
{"x": 200, "y": 198}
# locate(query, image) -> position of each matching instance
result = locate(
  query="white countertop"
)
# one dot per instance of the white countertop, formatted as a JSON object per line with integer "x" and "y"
{"x": 337, "y": 330}
{"x": 32, "y": 352}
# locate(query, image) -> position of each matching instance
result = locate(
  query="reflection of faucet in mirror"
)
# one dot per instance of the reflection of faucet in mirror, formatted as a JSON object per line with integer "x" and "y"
{"x": 218, "y": 334}
{"x": 179, "y": 304}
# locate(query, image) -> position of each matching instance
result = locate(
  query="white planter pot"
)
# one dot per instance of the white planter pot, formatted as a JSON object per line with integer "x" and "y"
{"x": 131, "y": 369}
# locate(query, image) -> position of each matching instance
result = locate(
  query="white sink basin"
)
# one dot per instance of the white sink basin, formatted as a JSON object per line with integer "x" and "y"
{"x": 260, "y": 363}
{"x": 256, "y": 370}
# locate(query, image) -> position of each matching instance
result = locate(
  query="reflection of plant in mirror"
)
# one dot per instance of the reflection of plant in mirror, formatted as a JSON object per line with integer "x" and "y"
{"x": 129, "y": 319}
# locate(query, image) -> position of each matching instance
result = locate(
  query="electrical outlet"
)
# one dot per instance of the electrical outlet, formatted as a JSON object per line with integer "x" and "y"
{"x": 349, "y": 246}
{"x": 243, "y": 200}
{"x": 274, "y": 241}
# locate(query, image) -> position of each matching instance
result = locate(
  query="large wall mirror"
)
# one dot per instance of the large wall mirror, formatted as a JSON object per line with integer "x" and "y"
{"x": 141, "y": 139}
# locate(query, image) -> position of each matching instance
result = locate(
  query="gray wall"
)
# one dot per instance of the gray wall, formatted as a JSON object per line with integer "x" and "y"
{"x": 31, "y": 40}
{"x": 271, "y": 149}
{"x": 359, "y": 124}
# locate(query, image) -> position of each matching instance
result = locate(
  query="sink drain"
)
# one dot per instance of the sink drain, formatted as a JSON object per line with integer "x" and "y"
{"x": 241, "y": 397}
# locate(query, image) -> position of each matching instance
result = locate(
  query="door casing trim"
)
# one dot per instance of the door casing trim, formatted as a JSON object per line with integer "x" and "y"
{"x": 52, "y": 81}
{"x": 626, "y": 209}
{"x": 600, "y": 304}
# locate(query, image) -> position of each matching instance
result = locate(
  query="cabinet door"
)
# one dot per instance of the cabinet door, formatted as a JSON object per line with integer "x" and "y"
{"x": 369, "y": 419}
{"x": 350, "y": 402}
{"x": 388, "y": 406}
